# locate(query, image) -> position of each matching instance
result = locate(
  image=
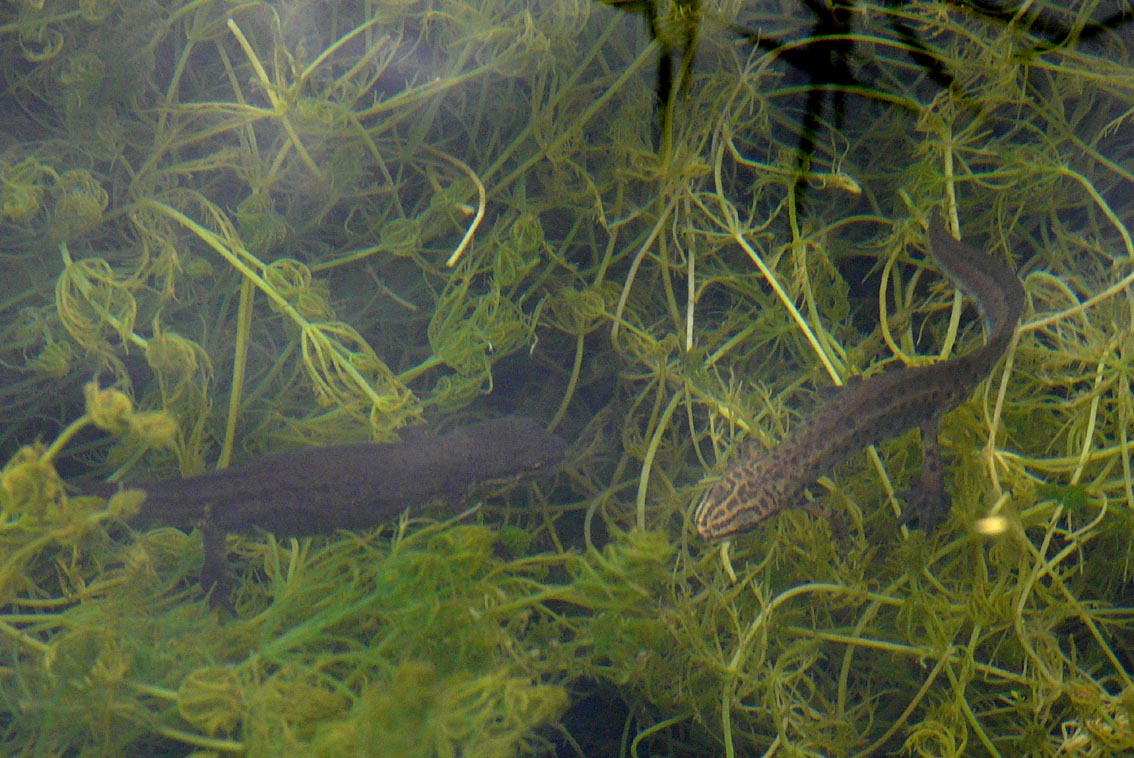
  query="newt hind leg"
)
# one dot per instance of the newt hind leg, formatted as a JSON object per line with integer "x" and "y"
{"x": 928, "y": 502}
{"x": 214, "y": 570}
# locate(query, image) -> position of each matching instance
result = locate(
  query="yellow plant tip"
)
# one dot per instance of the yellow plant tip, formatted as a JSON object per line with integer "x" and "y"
{"x": 726, "y": 562}
{"x": 109, "y": 409}
{"x": 22, "y": 189}
{"x": 29, "y": 484}
{"x": 126, "y": 504}
{"x": 838, "y": 181}
{"x": 155, "y": 428}
{"x": 991, "y": 526}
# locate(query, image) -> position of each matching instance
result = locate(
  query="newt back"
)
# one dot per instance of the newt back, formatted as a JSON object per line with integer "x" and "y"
{"x": 760, "y": 483}
{"x": 318, "y": 490}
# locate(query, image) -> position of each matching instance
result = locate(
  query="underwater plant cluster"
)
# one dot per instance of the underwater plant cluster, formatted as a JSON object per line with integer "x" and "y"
{"x": 234, "y": 228}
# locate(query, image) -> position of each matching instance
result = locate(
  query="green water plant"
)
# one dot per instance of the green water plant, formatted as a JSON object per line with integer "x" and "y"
{"x": 270, "y": 225}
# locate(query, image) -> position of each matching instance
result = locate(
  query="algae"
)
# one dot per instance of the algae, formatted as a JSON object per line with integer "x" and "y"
{"x": 234, "y": 228}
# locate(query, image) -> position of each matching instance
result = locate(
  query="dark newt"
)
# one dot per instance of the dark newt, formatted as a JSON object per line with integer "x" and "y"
{"x": 760, "y": 483}
{"x": 318, "y": 490}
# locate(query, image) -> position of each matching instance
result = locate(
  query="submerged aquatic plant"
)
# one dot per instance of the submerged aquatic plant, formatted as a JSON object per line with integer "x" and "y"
{"x": 270, "y": 225}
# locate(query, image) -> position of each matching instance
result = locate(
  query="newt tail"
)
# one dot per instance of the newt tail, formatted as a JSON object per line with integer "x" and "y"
{"x": 760, "y": 483}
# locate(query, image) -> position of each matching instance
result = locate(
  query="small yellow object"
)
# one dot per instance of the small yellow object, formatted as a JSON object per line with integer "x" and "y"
{"x": 28, "y": 484}
{"x": 991, "y": 526}
{"x": 156, "y": 428}
{"x": 126, "y": 503}
{"x": 108, "y": 409}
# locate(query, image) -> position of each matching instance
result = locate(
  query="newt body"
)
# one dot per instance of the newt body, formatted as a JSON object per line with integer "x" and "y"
{"x": 760, "y": 483}
{"x": 319, "y": 490}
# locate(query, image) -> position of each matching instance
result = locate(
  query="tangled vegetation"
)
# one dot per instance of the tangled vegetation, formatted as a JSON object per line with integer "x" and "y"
{"x": 229, "y": 228}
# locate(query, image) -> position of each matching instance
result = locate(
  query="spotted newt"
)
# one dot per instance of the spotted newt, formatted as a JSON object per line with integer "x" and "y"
{"x": 318, "y": 490}
{"x": 760, "y": 483}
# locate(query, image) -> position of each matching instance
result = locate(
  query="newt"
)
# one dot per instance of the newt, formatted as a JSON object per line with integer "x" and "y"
{"x": 760, "y": 483}
{"x": 318, "y": 490}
